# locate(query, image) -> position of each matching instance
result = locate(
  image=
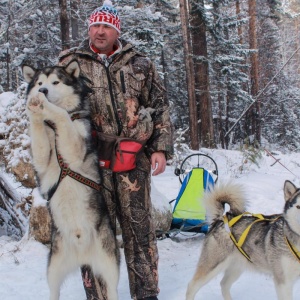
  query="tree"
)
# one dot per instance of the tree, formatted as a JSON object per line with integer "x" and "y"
{"x": 64, "y": 25}
{"x": 199, "y": 46}
{"x": 229, "y": 79}
{"x": 278, "y": 64}
{"x": 254, "y": 115}
{"x": 74, "y": 4}
{"x": 190, "y": 75}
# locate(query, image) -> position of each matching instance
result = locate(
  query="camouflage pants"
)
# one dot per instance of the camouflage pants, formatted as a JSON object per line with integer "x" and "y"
{"x": 129, "y": 201}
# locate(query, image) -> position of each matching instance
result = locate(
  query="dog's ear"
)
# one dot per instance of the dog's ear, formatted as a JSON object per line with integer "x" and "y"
{"x": 289, "y": 190}
{"x": 28, "y": 73}
{"x": 73, "y": 68}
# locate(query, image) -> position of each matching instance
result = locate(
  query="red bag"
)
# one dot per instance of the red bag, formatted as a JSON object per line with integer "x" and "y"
{"x": 125, "y": 152}
{"x": 117, "y": 153}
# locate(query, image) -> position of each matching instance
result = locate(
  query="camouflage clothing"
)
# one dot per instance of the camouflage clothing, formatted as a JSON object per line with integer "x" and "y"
{"x": 123, "y": 90}
{"x": 128, "y": 101}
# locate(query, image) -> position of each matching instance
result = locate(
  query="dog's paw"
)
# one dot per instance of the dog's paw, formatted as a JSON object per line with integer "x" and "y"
{"x": 36, "y": 103}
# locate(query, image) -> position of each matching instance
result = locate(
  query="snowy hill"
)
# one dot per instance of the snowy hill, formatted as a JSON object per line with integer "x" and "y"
{"x": 23, "y": 263}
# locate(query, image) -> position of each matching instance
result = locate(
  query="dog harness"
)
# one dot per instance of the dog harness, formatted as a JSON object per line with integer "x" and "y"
{"x": 65, "y": 170}
{"x": 292, "y": 248}
{"x": 229, "y": 223}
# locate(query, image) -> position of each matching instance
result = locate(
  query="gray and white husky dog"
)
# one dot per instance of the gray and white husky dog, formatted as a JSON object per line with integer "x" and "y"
{"x": 270, "y": 246}
{"x": 58, "y": 109}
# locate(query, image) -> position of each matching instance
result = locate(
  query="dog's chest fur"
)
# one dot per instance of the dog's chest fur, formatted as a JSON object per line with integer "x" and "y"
{"x": 70, "y": 209}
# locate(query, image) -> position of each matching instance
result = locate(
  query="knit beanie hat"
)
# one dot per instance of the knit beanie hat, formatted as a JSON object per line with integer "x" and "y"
{"x": 106, "y": 14}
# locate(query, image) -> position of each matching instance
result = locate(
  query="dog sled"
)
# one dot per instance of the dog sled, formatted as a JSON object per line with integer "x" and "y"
{"x": 197, "y": 173}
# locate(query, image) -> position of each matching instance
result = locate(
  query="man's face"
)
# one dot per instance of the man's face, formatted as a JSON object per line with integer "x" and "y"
{"x": 103, "y": 37}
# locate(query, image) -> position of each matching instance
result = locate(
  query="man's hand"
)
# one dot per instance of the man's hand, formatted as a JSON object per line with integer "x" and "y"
{"x": 158, "y": 163}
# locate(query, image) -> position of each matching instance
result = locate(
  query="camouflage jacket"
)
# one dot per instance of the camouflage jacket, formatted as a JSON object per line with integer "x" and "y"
{"x": 128, "y": 98}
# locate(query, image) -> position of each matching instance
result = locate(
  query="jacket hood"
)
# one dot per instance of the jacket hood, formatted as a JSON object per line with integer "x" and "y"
{"x": 127, "y": 52}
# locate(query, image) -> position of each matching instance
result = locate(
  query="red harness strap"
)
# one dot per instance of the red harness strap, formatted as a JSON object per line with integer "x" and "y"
{"x": 65, "y": 170}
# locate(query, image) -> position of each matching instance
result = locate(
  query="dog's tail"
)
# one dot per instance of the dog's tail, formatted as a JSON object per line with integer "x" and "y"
{"x": 215, "y": 200}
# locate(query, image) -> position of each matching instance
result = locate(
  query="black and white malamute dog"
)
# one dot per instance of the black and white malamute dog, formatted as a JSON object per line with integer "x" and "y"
{"x": 68, "y": 176}
{"x": 271, "y": 245}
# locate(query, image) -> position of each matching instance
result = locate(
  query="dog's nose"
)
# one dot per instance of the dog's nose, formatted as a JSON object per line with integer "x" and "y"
{"x": 44, "y": 91}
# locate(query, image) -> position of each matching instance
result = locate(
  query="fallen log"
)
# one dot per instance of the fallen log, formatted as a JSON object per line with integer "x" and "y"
{"x": 13, "y": 221}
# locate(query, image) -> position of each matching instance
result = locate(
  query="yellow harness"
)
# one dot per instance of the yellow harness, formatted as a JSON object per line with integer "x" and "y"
{"x": 292, "y": 248}
{"x": 259, "y": 217}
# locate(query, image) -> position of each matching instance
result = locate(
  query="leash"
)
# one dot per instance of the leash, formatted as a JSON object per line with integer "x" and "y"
{"x": 65, "y": 170}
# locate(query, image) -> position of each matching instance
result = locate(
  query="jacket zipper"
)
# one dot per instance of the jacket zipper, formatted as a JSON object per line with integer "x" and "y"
{"x": 120, "y": 126}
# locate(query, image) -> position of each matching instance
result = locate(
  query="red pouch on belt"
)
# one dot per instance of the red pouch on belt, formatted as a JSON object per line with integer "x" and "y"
{"x": 125, "y": 152}
{"x": 117, "y": 153}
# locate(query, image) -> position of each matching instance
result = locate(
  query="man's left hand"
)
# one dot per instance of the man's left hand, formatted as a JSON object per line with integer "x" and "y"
{"x": 158, "y": 163}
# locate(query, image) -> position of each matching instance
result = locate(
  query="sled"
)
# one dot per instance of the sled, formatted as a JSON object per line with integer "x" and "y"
{"x": 197, "y": 173}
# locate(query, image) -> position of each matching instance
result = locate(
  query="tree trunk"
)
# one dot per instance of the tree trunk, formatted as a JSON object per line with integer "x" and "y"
{"x": 64, "y": 25}
{"x": 190, "y": 75}
{"x": 238, "y": 11}
{"x": 74, "y": 22}
{"x": 254, "y": 116}
{"x": 198, "y": 34}
{"x": 8, "y": 84}
{"x": 163, "y": 63}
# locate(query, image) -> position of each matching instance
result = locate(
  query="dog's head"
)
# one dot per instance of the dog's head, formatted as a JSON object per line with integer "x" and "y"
{"x": 292, "y": 205}
{"x": 62, "y": 85}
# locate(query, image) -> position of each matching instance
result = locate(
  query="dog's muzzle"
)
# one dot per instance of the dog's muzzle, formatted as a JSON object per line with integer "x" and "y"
{"x": 44, "y": 91}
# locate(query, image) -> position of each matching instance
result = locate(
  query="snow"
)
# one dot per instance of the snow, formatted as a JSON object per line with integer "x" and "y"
{"x": 38, "y": 200}
{"x": 23, "y": 263}
{"x": 5, "y": 99}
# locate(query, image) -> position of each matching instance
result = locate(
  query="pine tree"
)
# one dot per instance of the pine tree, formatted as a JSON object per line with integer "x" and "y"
{"x": 279, "y": 100}
{"x": 229, "y": 70}
{"x": 200, "y": 57}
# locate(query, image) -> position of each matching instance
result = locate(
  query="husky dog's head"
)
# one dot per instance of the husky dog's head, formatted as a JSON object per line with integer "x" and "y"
{"x": 292, "y": 205}
{"x": 62, "y": 86}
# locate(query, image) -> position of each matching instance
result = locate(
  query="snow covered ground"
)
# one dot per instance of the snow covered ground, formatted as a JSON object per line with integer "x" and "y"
{"x": 23, "y": 263}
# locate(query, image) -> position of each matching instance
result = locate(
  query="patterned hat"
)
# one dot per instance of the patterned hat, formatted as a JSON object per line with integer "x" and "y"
{"x": 106, "y": 14}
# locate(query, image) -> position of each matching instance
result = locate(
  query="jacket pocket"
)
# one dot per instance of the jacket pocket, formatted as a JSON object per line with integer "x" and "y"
{"x": 134, "y": 85}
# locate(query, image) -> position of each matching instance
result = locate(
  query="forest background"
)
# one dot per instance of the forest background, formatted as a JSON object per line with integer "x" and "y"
{"x": 223, "y": 59}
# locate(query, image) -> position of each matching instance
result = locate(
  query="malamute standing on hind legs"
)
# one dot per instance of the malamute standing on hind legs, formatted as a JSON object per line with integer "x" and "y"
{"x": 271, "y": 245}
{"x": 68, "y": 176}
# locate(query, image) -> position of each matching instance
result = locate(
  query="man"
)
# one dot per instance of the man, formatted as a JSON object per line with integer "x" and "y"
{"x": 128, "y": 101}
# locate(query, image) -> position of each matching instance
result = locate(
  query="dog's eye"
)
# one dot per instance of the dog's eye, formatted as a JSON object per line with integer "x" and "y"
{"x": 298, "y": 206}
{"x": 56, "y": 82}
{"x": 40, "y": 83}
